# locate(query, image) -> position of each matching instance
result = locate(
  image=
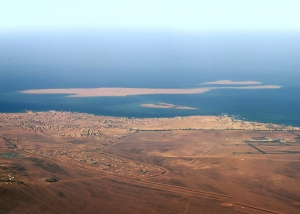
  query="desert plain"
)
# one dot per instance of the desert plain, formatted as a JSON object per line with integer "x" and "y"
{"x": 64, "y": 162}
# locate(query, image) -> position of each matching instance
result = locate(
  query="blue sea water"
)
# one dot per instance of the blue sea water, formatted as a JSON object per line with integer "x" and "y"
{"x": 268, "y": 105}
{"x": 38, "y": 60}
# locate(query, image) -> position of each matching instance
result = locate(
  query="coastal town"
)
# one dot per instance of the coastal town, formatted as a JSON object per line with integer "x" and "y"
{"x": 55, "y": 149}
{"x": 68, "y": 124}
{"x": 80, "y": 138}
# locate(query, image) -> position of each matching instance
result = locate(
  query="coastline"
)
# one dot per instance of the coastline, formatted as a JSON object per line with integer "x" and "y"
{"x": 207, "y": 122}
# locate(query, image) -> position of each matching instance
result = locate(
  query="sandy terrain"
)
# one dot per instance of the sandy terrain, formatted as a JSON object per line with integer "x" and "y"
{"x": 221, "y": 162}
{"x": 230, "y": 82}
{"x": 94, "y": 92}
{"x": 90, "y": 92}
{"x": 166, "y": 105}
{"x": 63, "y": 162}
{"x": 256, "y": 87}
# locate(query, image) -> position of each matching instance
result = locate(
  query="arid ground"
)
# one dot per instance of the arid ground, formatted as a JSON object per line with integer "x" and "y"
{"x": 62, "y": 162}
{"x": 166, "y": 105}
{"x": 102, "y": 92}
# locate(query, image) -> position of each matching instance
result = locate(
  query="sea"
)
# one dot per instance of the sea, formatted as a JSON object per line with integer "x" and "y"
{"x": 39, "y": 59}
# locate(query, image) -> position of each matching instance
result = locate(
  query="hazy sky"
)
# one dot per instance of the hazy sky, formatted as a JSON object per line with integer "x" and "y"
{"x": 145, "y": 39}
{"x": 178, "y": 15}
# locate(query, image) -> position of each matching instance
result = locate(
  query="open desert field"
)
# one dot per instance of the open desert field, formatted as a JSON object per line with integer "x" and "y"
{"x": 62, "y": 162}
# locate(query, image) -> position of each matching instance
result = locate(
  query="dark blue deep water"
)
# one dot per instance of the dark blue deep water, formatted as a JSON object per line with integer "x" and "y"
{"x": 35, "y": 60}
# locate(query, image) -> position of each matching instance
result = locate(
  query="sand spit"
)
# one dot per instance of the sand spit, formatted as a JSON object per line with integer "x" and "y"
{"x": 101, "y": 92}
{"x": 230, "y": 82}
{"x": 167, "y": 105}
{"x": 254, "y": 87}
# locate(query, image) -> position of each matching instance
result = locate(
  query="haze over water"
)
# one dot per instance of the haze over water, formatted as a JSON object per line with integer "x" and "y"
{"x": 141, "y": 59}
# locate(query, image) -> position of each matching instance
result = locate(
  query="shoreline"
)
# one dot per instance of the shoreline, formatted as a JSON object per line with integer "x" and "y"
{"x": 196, "y": 122}
{"x": 151, "y": 116}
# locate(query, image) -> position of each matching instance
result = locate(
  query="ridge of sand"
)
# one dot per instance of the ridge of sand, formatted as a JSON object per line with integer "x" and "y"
{"x": 166, "y": 105}
{"x": 230, "y": 82}
{"x": 253, "y": 87}
{"x": 98, "y": 92}
{"x": 93, "y": 92}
